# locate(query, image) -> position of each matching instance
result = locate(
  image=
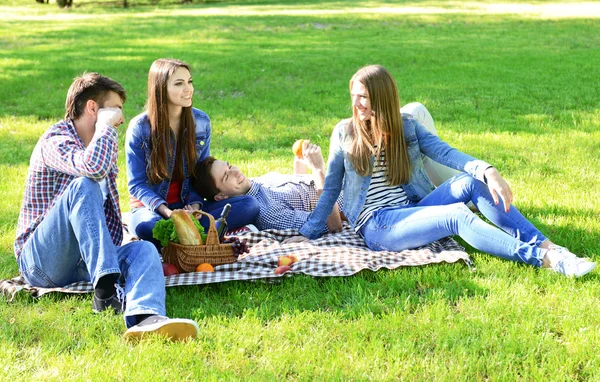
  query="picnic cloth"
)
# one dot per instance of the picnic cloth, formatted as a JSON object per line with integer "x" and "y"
{"x": 339, "y": 254}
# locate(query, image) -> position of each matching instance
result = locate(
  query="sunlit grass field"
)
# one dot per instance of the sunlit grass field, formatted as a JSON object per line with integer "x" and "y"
{"x": 515, "y": 84}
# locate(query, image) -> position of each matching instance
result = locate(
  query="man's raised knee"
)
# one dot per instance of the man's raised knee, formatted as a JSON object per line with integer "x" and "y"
{"x": 86, "y": 188}
{"x": 145, "y": 249}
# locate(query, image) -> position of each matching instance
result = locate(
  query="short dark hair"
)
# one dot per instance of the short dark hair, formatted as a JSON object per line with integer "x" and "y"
{"x": 203, "y": 181}
{"x": 89, "y": 86}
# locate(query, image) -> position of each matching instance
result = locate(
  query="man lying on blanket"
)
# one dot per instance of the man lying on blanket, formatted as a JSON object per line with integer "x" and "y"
{"x": 285, "y": 200}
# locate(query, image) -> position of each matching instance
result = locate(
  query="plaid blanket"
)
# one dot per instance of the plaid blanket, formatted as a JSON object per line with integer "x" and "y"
{"x": 340, "y": 254}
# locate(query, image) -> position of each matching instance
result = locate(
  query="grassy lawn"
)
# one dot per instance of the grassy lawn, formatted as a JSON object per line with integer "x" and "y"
{"x": 513, "y": 84}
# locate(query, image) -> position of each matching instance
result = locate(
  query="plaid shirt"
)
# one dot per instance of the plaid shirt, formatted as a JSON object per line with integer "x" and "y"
{"x": 285, "y": 201}
{"x": 58, "y": 158}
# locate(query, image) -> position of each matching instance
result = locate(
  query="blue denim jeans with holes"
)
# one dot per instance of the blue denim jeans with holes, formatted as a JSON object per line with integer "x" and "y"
{"x": 73, "y": 244}
{"x": 443, "y": 213}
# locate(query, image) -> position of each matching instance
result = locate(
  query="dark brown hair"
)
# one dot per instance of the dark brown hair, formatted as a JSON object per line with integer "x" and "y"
{"x": 89, "y": 86}
{"x": 203, "y": 181}
{"x": 157, "y": 106}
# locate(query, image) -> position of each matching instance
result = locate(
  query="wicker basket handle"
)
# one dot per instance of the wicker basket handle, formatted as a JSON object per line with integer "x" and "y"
{"x": 212, "y": 237}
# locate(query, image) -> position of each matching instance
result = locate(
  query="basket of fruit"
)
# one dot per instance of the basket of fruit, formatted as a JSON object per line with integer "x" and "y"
{"x": 186, "y": 249}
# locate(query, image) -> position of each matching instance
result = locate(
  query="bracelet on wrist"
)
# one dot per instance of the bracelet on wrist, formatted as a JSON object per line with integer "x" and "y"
{"x": 485, "y": 177}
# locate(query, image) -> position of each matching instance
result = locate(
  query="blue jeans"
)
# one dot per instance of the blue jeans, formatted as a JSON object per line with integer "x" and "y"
{"x": 243, "y": 211}
{"x": 443, "y": 213}
{"x": 73, "y": 244}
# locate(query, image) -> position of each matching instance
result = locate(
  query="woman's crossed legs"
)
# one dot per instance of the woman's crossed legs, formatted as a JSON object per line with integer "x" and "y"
{"x": 443, "y": 213}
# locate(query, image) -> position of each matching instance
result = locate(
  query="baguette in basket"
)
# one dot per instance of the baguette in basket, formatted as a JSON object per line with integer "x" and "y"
{"x": 187, "y": 257}
{"x": 186, "y": 229}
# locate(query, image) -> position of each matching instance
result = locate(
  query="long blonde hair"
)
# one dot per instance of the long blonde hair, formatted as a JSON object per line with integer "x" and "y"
{"x": 383, "y": 130}
{"x": 157, "y": 106}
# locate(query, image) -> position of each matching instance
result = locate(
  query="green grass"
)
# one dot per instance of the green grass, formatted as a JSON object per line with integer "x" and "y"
{"x": 516, "y": 89}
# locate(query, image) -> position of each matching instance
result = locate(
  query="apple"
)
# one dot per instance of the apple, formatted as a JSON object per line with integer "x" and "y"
{"x": 297, "y": 148}
{"x": 282, "y": 269}
{"x": 286, "y": 260}
{"x": 169, "y": 269}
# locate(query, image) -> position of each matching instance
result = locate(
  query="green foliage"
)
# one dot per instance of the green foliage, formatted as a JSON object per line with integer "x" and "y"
{"x": 511, "y": 83}
{"x": 164, "y": 231}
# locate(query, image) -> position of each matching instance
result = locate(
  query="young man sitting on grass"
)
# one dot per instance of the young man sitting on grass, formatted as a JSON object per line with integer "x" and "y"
{"x": 285, "y": 201}
{"x": 70, "y": 227}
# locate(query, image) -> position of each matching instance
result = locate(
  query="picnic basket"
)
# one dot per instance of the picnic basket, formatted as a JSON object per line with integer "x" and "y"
{"x": 187, "y": 257}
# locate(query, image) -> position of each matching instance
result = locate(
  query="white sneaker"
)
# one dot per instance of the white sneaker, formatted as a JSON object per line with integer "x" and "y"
{"x": 569, "y": 264}
{"x": 175, "y": 329}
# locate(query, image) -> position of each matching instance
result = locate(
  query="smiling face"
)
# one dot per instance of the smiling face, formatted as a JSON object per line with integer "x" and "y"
{"x": 229, "y": 180}
{"x": 361, "y": 102}
{"x": 180, "y": 88}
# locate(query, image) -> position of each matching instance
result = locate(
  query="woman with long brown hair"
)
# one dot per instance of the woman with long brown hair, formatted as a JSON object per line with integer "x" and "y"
{"x": 162, "y": 146}
{"x": 376, "y": 157}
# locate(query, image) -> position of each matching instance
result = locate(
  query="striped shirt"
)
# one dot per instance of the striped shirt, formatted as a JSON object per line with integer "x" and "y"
{"x": 60, "y": 157}
{"x": 380, "y": 194}
{"x": 285, "y": 201}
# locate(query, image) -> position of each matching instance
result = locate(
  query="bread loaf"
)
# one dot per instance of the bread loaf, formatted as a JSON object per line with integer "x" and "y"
{"x": 185, "y": 228}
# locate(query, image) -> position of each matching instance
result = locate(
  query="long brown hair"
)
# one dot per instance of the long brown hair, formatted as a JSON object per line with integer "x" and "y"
{"x": 383, "y": 130}
{"x": 157, "y": 106}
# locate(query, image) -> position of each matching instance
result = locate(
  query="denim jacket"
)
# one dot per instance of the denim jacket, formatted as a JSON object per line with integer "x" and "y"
{"x": 137, "y": 151}
{"x": 340, "y": 172}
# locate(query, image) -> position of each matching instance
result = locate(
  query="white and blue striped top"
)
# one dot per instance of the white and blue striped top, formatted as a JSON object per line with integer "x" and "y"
{"x": 380, "y": 194}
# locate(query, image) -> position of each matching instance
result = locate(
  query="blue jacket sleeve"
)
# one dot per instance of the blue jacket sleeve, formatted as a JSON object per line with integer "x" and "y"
{"x": 203, "y": 133}
{"x": 135, "y": 158}
{"x": 334, "y": 178}
{"x": 433, "y": 147}
{"x": 203, "y": 138}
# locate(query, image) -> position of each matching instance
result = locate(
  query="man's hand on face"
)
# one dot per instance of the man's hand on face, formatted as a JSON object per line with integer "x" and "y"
{"x": 111, "y": 116}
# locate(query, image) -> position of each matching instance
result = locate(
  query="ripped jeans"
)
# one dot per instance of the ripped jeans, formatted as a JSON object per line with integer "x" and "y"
{"x": 443, "y": 213}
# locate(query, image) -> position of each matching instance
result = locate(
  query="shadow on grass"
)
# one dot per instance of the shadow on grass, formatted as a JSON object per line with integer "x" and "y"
{"x": 581, "y": 241}
{"x": 406, "y": 290}
{"x": 349, "y": 298}
{"x": 367, "y": 293}
{"x": 287, "y": 64}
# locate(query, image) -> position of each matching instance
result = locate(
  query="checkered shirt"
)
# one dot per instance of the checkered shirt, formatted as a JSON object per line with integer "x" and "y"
{"x": 285, "y": 201}
{"x": 60, "y": 157}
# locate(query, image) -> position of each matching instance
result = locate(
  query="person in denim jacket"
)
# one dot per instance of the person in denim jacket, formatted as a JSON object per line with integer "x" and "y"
{"x": 376, "y": 157}
{"x": 162, "y": 146}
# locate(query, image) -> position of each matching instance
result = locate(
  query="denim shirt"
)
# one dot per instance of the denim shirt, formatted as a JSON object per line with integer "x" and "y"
{"x": 340, "y": 172}
{"x": 137, "y": 151}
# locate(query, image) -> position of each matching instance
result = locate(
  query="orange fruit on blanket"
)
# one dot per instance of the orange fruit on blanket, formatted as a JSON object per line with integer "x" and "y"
{"x": 205, "y": 267}
{"x": 297, "y": 148}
